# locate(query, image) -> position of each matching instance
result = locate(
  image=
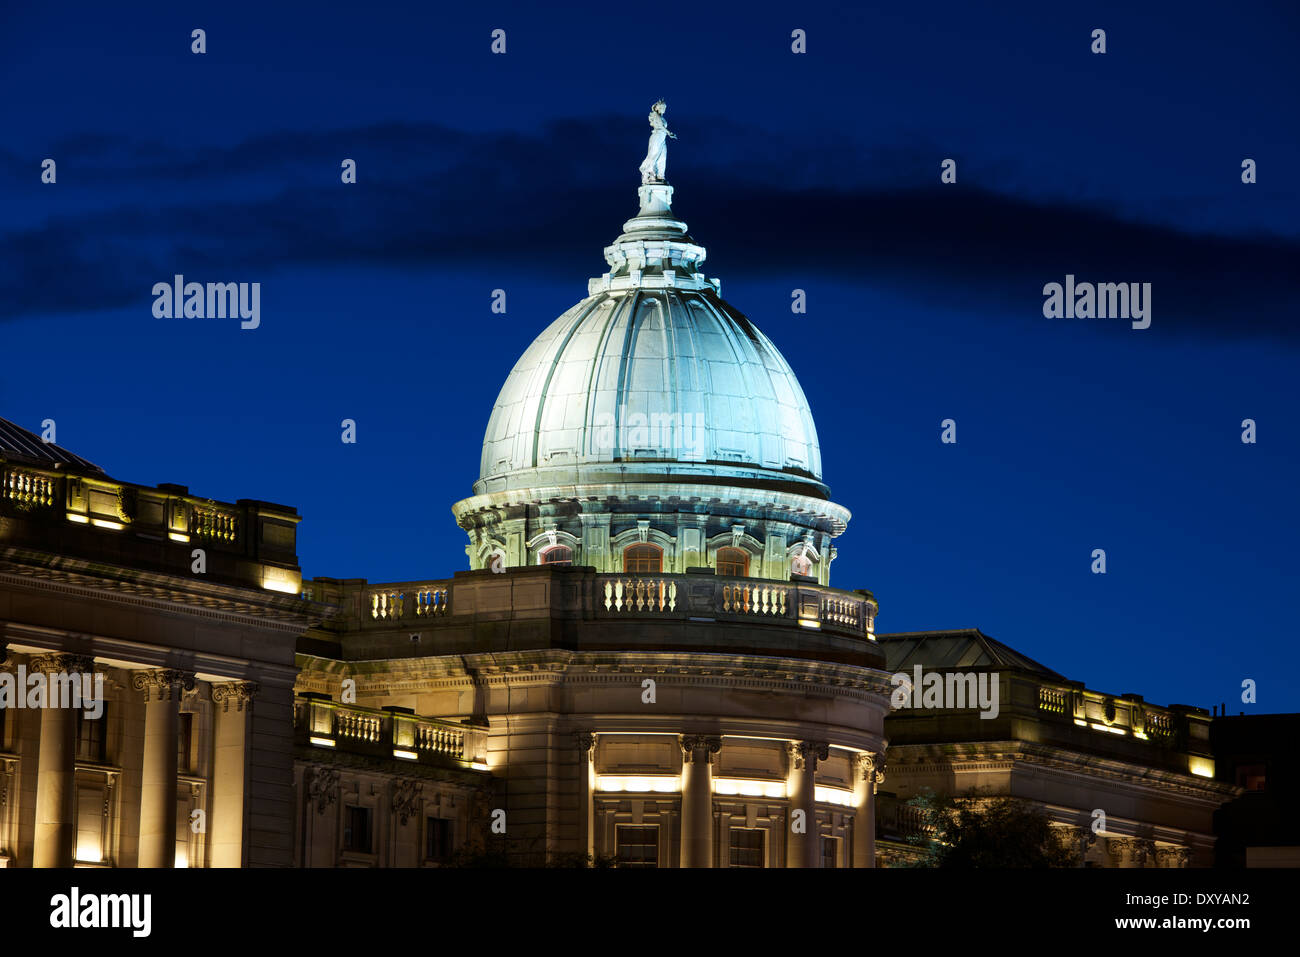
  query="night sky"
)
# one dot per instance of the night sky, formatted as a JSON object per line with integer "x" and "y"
{"x": 818, "y": 171}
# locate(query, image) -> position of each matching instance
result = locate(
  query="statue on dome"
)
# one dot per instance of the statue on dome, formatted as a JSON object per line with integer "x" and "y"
{"x": 656, "y": 157}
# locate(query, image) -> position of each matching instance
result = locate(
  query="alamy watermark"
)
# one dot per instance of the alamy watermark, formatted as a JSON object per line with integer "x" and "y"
{"x": 936, "y": 690}
{"x": 1103, "y": 300}
{"x": 214, "y": 300}
{"x": 681, "y": 433}
{"x": 62, "y": 690}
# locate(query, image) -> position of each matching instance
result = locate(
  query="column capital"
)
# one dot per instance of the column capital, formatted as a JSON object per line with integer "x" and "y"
{"x": 62, "y": 663}
{"x": 871, "y": 766}
{"x": 692, "y": 743}
{"x": 237, "y": 691}
{"x": 584, "y": 741}
{"x": 806, "y": 754}
{"x": 1117, "y": 846}
{"x": 162, "y": 680}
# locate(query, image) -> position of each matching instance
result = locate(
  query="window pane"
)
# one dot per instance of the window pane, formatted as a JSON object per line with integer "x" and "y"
{"x": 643, "y": 558}
{"x": 830, "y": 851}
{"x": 733, "y": 562}
{"x": 356, "y": 830}
{"x": 437, "y": 839}
{"x": 557, "y": 555}
{"x": 637, "y": 846}
{"x": 746, "y": 847}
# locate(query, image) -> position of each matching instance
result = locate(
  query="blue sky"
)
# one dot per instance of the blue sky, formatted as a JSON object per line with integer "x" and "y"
{"x": 818, "y": 172}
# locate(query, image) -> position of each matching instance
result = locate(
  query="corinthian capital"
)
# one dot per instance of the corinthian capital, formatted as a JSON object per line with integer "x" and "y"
{"x": 165, "y": 681}
{"x": 806, "y": 754}
{"x": 239, "y": 692}
{"x": 60, "y": 663}
{"x": 584, "y": 741}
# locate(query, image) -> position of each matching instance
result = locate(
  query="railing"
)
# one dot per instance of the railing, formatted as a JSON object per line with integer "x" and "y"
{"x": 1120, "y": 716}
{"x": 27, "y": 488}
{"x": 613, "y": 595}
{"x": 1051, "y": 699}
{"x": 222, "y": 526}
{"x": 390, "y": 602}
{"x": 640, "y": 594}
{"x": 390, "y": 733}
{"x": 757, "y": 599}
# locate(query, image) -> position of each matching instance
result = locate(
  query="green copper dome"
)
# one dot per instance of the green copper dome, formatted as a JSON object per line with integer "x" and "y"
{"x": 652, "y": 375}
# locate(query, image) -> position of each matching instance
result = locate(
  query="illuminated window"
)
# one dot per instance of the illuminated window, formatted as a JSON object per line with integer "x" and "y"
{"x": 356, "y": 830}
{"x": 746, "y": 847}
{"x": 637, "y": 846}
{"x": 557, "y": 555}
{"x": 437, "y": 838}
{"x": 801, "y": 565}
{"x": 733, "y": 562}
{"x": 643, "y": 558}
{"x": 830, "y": 851}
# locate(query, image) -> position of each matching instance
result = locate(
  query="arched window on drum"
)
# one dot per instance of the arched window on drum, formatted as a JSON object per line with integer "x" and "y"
{"x": 643, "y": 559}
{"x": 556, "y": 555}
{"x": 733, "y": 562}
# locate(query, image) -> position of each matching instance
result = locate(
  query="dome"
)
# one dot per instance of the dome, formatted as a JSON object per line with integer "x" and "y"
{"x": 652, "y": 374}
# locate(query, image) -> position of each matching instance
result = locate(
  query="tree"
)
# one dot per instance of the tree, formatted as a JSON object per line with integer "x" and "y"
{"x": 987, "y": 832}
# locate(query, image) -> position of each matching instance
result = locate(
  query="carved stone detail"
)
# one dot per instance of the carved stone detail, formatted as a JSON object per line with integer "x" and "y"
{"x": 806, "y": 754}
{"x": 691, "y": 744}
{"x": 871, "y": 765}
{"x": 165, "y": 681}
{"x": 322, "y": 787}
{"x": 60, "y": 663}
{"x": 236, "y": 691}
{"x": 406, "y": 798}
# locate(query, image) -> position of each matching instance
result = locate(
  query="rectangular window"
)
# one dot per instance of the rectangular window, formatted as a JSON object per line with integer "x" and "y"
{"x": 637, "y": 846}
{"x": 437, "y": 839}
{"x": 747, "y": 847}
{"x": 830, "y": 851}
{"x": 92, "y": 735}
{"x": 356, "y": 830}
{"x": 90, "y": 821}
{"x": 184, "y": 740}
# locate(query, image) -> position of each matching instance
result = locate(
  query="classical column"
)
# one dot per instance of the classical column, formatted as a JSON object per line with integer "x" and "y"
{"x": 697, "y": 798}
{"x": 805, "y": 848}
{"x": 56, "y": 766}
{"x": 233, "y": 703}
{"x": 585, "y": 741}
{"x": 162, "y": 690}
{"x": 868, "y": 771}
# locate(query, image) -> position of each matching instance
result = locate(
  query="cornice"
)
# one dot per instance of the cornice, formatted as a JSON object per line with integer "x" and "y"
{"x": 160, "y": 593}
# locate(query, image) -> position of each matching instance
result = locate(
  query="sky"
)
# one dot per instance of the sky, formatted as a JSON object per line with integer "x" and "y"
{"x": 818, "y": 171}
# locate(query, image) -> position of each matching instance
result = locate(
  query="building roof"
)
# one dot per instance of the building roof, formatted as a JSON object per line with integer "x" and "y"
{"x": 17, "y": 443}
{"x": 958, "y": 648}
{"x": 653, "y": 370}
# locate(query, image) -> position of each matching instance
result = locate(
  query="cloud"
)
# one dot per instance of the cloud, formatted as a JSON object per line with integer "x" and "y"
{"x": 135, "y": 212}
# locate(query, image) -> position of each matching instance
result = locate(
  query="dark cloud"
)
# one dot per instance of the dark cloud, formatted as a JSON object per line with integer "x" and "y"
{"x": 551, "y": 198}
